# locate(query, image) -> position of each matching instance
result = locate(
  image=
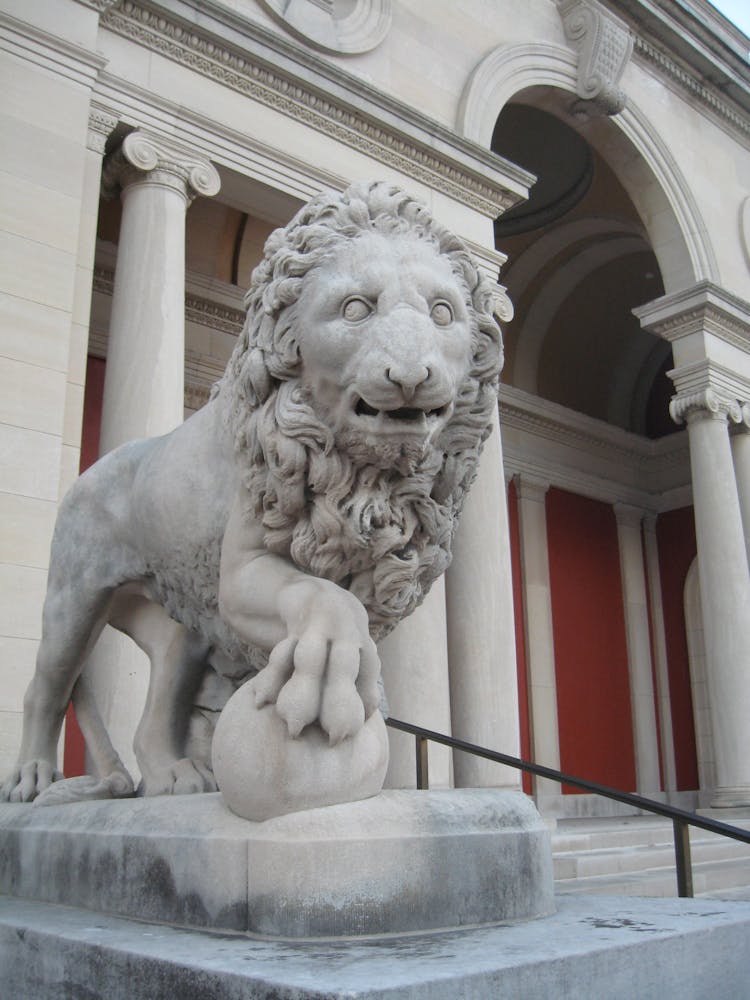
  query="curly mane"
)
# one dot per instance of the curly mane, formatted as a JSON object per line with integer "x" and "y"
{"x": 385, "y": 534}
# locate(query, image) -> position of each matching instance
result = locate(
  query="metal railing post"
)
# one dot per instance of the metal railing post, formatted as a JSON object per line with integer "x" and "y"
{"x": 682, "y": 857}
{"x": 423, "y": 768}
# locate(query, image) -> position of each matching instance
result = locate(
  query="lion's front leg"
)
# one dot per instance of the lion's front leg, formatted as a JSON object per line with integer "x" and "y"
{"x": 323, "y": 665}
{"x": 327, "y": 667}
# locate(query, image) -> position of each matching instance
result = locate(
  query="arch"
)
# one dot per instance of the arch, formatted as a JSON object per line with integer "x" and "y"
{"x": 652, "y": 178}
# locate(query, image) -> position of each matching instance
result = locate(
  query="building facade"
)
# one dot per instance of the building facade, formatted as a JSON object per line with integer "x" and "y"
{"x": 595, "y": 156}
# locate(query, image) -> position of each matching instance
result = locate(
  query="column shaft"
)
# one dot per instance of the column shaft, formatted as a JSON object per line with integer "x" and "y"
{"x": 144, "y": 382}
{"x": 660, "y": 656}
{"x": 415, "y": 674}
{"x": 540, "y": 644}
{"x": 481, "y": 635}
{"x": 725, "y": 598}
{"x": 741, "y": 455}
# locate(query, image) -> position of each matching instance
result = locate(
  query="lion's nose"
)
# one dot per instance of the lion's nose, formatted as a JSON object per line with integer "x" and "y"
{"x": 407, "y": 377}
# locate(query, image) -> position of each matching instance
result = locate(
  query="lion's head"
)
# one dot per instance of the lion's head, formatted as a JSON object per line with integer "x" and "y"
{"x": 360, "y": 392}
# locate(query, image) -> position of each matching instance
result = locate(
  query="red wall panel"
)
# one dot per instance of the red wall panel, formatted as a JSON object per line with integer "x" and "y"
{"x": 675, "y": 534}
{"x": 591, "y": 661}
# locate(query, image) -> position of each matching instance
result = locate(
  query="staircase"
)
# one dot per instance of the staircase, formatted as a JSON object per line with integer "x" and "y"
{"x": 634, "y": 856}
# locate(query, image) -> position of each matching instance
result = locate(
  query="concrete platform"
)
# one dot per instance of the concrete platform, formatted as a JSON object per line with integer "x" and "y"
{"x": 401, "y": 861}
{"x": 592, "y": 948}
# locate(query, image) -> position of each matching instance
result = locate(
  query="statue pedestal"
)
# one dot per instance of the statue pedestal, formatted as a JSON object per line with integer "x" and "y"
{"x": 402, "y": 861}
{"x": 227, "y": 908}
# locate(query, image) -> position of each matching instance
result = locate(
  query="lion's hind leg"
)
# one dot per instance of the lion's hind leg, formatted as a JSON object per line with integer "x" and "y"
{"x": 178, "y": 661}
{"x": 74, "y": 615}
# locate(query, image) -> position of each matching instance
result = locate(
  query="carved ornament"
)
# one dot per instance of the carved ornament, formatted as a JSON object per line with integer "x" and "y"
{"x": 604, "y": 47}
{"x": 101, "y": 126}
{"x": 705, "y": 403}
{"x": 163, "y": 163}
{"x": 360, "y": 30}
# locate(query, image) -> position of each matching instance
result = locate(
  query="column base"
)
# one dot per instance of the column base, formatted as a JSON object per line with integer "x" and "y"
{"x": 730, "y": 797}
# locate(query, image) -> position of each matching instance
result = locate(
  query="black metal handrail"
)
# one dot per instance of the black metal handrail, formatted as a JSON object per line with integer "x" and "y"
{"x": 682, "y": 819}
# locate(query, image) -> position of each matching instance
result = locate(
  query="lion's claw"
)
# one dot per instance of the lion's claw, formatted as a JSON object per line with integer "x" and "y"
{"x": 298, "y": 703}
{"x": 181, "y": 777}
{"x": 342, "y": 713}
{"x": 28, "y": 780}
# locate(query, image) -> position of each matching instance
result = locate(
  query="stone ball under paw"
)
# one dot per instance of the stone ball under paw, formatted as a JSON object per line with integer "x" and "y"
{"x": 262, "y": 772}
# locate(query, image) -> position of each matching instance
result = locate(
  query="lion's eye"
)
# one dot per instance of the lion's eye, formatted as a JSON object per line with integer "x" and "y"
{"x": 354, "y": 310}
{"x": 442, "y": 314}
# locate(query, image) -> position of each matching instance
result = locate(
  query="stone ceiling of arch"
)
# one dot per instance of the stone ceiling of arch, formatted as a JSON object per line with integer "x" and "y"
{"x": 590, "y": 353}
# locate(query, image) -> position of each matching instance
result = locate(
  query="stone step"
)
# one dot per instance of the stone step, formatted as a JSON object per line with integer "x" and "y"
{"x": 610, "y": 860}
{"x": 635, "y": 856}
{"x": 718, "y": 879}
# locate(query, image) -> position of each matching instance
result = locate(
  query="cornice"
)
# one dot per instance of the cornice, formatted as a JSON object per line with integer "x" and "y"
{"x": 56, "y": 54}
{"x": 724, "y": 113}
{"x": 704, "y": 307}
{"x": 697, "y": 52}
{"x": 612, "y": 464}
{"x": 237, "y": 53}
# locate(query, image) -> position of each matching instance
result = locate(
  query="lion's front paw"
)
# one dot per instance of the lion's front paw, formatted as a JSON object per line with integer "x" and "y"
{"x": 181, "y": 777}
{"x": 327, "y": 668}
{"x": 28, "y": 780}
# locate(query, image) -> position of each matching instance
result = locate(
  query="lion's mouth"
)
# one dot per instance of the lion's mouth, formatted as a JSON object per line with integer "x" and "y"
{"x": 402, "y": 414}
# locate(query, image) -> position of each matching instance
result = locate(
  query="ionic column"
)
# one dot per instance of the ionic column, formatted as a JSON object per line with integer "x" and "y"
{"x": 661, "y": 668}
{"x": 481, "y": 636}
{"x": 415, "y": 674}
{"x": 724, "y": 585}
{"x": 144, "y": 382}
{"x": 635, "y": 606}
{"x": 540, "y": 643}
{"x": 741, "y": 455}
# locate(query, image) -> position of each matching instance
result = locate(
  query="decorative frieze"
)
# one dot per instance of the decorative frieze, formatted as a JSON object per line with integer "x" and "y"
{"x": 672, "y": 72}
{"x": 604, "y": 46}
{"x": 342, "y": 107}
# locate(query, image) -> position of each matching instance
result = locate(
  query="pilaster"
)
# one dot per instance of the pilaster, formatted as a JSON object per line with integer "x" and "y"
{"x": 661, "y": 667}
{"x": 635, "y": 605}
{"x": 540, "y": 647}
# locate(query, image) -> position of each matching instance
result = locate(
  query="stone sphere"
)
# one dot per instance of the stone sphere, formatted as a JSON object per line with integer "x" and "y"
{"x": 263, "y": 773}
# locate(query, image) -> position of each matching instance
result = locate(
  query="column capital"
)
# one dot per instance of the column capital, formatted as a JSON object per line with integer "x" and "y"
{"x": 143, "y": 158}
{"x": 101, "y": 125}
{"x": 704, "y": 404}
{"x": 628, "y": 515}
{"x": 531, "y": 487}
{"x": 742, "y": 426}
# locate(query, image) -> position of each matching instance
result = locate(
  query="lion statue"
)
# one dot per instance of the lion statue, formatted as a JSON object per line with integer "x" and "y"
{"x": 296, "y": 518}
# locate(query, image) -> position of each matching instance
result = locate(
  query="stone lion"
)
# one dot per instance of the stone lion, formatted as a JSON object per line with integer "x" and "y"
{"x": 297, "y": 517}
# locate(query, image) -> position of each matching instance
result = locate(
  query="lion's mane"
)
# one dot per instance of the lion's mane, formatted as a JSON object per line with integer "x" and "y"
{"x": 383, "y": 533}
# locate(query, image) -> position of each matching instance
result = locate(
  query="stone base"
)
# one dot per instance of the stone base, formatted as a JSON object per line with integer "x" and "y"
{"x": 594, "y": 946}
{"x": 402, "y": 861}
